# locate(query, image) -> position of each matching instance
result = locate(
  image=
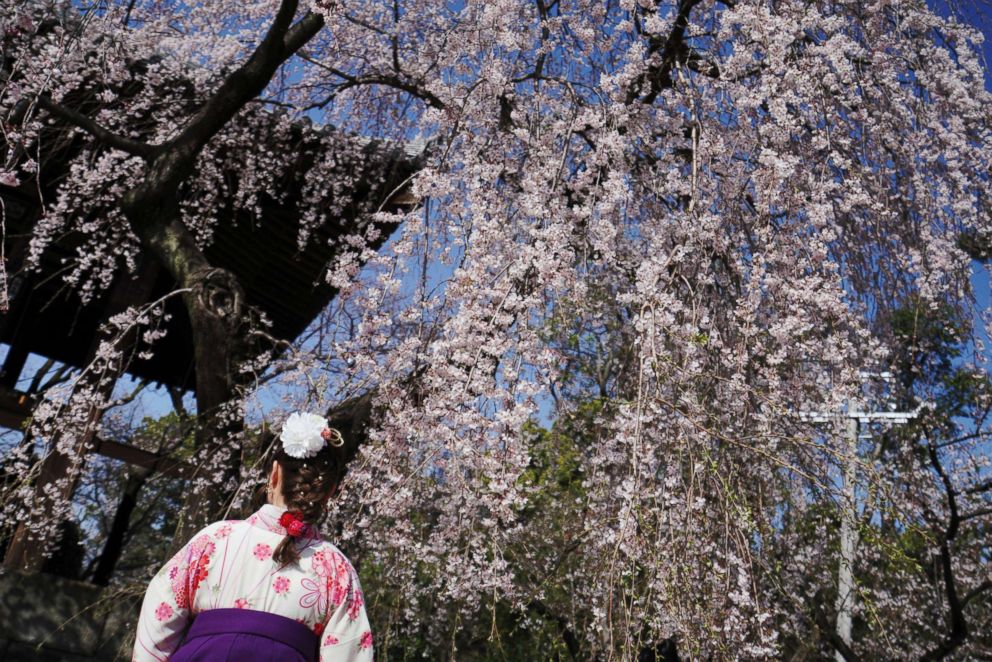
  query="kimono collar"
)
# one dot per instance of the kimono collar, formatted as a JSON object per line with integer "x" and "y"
{"x": 267, "y": 517}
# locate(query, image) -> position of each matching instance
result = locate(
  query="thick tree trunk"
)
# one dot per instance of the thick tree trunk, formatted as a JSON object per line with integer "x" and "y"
{"x": 220, "y": 324}
{"x": 219, "y": 348}
{"x": 214, "y": 299}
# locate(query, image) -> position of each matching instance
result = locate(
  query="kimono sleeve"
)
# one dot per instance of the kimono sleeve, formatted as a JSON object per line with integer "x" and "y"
{"x": 166, "y": 609}
{"x": 346, "y": 635}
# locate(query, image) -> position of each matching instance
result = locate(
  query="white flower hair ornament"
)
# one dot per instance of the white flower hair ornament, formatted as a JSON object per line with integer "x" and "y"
{"x": 304, "y": 435}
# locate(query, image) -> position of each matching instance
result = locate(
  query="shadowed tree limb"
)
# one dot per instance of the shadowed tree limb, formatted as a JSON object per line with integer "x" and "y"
{"x": 98, "y": 131}
{"x": 672, "y": 49}
{"x": 957, "y": 625}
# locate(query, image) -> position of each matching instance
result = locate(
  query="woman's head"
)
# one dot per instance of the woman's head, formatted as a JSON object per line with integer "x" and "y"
{"x": 304, "y": 473}
{"x": 306, "y": 484}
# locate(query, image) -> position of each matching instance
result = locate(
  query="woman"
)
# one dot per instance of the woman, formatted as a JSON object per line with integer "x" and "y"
{"x": 268, "y": 587}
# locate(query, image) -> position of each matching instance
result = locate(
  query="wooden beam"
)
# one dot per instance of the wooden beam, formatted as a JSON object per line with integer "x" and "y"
{"x": 16, "y": 407}
{"x": 13, "y": 365}
{"x": 141, "y": 458}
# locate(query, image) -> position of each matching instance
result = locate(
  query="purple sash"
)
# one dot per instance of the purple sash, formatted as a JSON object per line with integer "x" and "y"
{"x": 246, "y": 634}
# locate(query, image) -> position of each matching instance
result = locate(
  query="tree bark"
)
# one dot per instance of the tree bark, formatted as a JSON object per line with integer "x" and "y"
{"x": 219, "y": 319}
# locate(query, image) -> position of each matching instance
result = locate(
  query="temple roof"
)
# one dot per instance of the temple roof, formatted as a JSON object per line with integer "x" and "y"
{"x": 288, "y": 285}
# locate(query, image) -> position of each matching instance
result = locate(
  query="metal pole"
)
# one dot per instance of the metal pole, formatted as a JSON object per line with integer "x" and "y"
{"x": 848, "y": 533}
{"x": 846, "y": 591}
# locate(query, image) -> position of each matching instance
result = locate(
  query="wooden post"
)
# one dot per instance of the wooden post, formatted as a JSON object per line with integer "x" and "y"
{"x": 56, "y": 483}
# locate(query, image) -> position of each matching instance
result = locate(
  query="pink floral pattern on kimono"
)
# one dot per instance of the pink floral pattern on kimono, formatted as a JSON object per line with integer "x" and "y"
{"x": 163, "y": 612}
{"x": 332, "y": 584}
{"x": 357, "y": 605}
{"x": 230, "y": 565}
{"x": 188, "y": 568}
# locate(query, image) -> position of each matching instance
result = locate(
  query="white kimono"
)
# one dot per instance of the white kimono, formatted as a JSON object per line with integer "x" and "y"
{"x": 229, "y": 565}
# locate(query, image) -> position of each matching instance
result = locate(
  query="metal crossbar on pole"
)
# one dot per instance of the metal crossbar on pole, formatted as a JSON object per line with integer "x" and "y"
{"x": 861, "y": 416}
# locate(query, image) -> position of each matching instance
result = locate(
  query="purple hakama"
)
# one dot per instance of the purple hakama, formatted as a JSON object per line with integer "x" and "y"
{"x": 219, "y": 635}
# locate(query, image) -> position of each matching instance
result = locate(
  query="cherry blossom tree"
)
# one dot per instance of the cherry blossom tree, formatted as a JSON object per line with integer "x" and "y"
{"x": 154, "y": 139}
{"x": 675, "y": 226}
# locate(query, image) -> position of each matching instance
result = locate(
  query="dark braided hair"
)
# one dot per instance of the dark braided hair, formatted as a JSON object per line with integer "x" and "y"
{"x": 306, "y": 485}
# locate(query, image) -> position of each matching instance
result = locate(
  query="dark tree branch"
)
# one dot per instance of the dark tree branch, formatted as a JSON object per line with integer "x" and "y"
{"x": 841, "y": 646}
{"x": 95, "y": 129}
{"x": 240, "y": 87}
{"x": 672, "y": 50}
{"x": 980, "y": 487}
{"x": 978, "y": 513}
{"x": 372, "y": 79}
{"x": 963, "y": 438}
{"x": 393, "y": 39}
{"x": 151, "y": 206}
{"x": 976, "y": 592}
{"x": 827, "y": 628}
{"x": 958, "y": 633}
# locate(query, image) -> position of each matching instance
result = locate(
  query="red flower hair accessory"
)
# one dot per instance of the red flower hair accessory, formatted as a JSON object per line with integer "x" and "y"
{"x": 293, "y": 522}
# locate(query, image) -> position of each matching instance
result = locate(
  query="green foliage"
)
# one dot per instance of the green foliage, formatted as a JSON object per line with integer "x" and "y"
{"x": 555, "y": 467}
{"x": 928, "y": 341}
{"x": 499, "y": 631}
